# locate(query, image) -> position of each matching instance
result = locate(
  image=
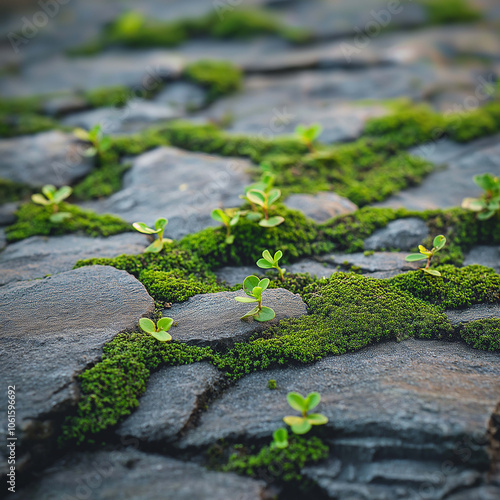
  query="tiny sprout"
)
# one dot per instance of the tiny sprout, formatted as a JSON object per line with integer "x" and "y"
{"x": 489, "y": 203}
{"x": 271, "y": 384}
{"x": 158, "y": 331}
{"x": 269, "y": 262}
{"x": 280, "y": 438}
{"x": 100, "y": 142}
{"x": 264, "y": 200}
{"x": 303, "y": 424}
{"x": 53, "y": 197}
{"x": 439, "y": 242}
{"x": 254, "y": 287}
{"x": 157, "y": 245}
{"x": 308, "y": 135}
{"x": 229, "y": 218}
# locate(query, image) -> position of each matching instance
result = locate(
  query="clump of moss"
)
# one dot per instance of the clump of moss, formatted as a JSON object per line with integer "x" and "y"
{"x": 450, "y": 11}
{"x": 465, "y": 127}
{"x": 101, "y": 182}
{"x": 482, "y": 334}
{"x": 13, "y": 191}
{"x": 100, "y": 97}
{"x": 12, "y": 125}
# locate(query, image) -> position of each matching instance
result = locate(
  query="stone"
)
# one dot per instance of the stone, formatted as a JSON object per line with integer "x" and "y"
{"x": 181, "y": 96}
{"x": 3, "y": 241}
{"x": 482, "y": 493}
{"x": 8, "y": 213}
{"x": 213, "y": 319}
{"x": 131, "y": 475}
{"x": 403, "y": 234}
{"x": 38, "y": 256}
{"x": 313, "y": 267}
{"x": 183, "y": 187}
{"x": 322, "y": 206}
{"x": 174, "y": 397}
{"x": 47, "y": 158}
{"x": 53, "y": 329}
{"x": 234, "y": 275}
{"x": 378, "y": 261}
{"x": 473, "y": 313}
{"x": 488, "y": 256}
{"x": 64, "y": 104}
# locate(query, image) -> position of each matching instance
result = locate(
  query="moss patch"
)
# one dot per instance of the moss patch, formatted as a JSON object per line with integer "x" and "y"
{"x": 13, "y": 191}
{"x": 450, "y": 11}
{"x": 12, "y": 125}
{"x": 482, "y": 334}
{"x": 101, "y": 182}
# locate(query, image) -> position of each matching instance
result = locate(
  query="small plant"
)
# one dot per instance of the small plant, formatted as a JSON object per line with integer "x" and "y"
{"x": 264, "y": 200}
{"x": 158, "y": 331}
{"x": 308, "y": 135}
{"x": 269, "y": 262}
{"x": 439, "y": 242}
{"x": 254, "y": 287}
{"x": 100, "y": 142}
{"x": 271, "y": 384}
{"x": 53, "y": 197}
{"x": 303, "y": 424}
{"x": 229, "y": 218}
{"x": 489, "y": 203}
{"x": 157, "y": 245}
{"x": 280, "y": 438}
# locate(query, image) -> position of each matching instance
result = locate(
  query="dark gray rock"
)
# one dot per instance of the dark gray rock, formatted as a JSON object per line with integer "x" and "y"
{"x": 134, "y": 475}
{"x": 214, "y": 318}
{"x": 473, "y": 313}
{"x": 488, "y": 256}
{"x": 164, "y": 413}
{"x": 37, "y": 256}
{"x": 379, "y": 261}
{"x": 234, "y": 275}
{"x": 181, "y": 96}
{"x": 313, "y": 267}
{"x": 183, "y": 187}
{"x": 481, "y": 493}
{"x": 64, "y": 104}
{"x": 3, "y": 240}
{"x": 403, "y": 234}
{"x": 321, "y": 206}
{"x": 47, "y": 158}
{"x": 51, "y": 330}
{"x": 7, "y": 213}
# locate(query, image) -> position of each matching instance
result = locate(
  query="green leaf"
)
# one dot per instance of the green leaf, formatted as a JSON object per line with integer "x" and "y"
{"x": 40, "y": 199}
{"x": 60, "y": 217}
{"x": 160, "y": 224}
{"x": 312, "y": 400}
{"x": 147, "y": 325}
{"x": 264, "y": 283}
{"x": 49, "y": 191}
{"x": 431, "y": 271}
{"x": 296, "y": 401}
{"x": 251, "y": 313}
{"x": 486, "y": 215}
{"x": 91, "y": 151}
{"x": 301, "y": 428}
{"x": 474, "y": 204}
{"x": 264, "y": 264}
{"x": 245, "y": 299}
{"x": 267, "y": 256}
{"x": 280, "y": 434}
{"x": 292, "y": 420}
{"x": 256, "y": 196}
{"x": 219, "y": 215}
{"x": 272, "y": 221}
{"x": 274, "y": 194}
{"x": 155, "y": 247}
{"x": 265, "y": 314}
{"x": 257, "y": 292}
{"x": 105, "y": 143}
{"x": 414, "y": 257}
{"x": 250, "y": 283}
{"x": 164, "y": 324}
{"x": 317, "y": 419}
{"x": 235, "y": 219}
{"x": 81, "y": 134}
{"x": 62, "y": 193}
{"x": 485, "y": 181}
{"x": 142, "y": 228}
{"x": 277, "y": 256}
{"x": 162, "y": 336}
{"x": 439, "y": 242}
{"x": 230, "y": 239}
{"x": 254, "y": 216}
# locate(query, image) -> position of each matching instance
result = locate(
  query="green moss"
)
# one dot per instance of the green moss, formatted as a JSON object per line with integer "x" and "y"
{"x": 271, "y": 384}
{"x": 12, "y": 125}
{"x": 464, "y": 127}
{"x": 34, "y": 220}
{"x": 482, "y": 334}
{"x": 100, "y": 97}
{"x": 101, "y": 182}
{"x": 13, "y": 191}
{"x": 21, "y": 105}
{"x": 450, "y": 11}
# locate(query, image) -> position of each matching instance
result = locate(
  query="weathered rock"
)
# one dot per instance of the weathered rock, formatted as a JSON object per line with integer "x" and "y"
{"x": 52, "y": 329}
{"x": 181, "y": 96}
{"x": 403, "y": 234}
{"x": 64, "y": 104}
{"x": 7, "y": 213}
{"x": 321, "y": 206}
{"x": 174, "y": 397}
{"x": 313, "y": 267}
{"x": 378, "y": 261}
{"x": 473, "y": 313}
{"x": 234, "y": 275}
{"x": 47, "y": 158}
{"x": 39, "y": 256}
{"x": 134, "y": 475}
{"x": 3, "y": 241}
{"x": 183, "y": 187}
{"x": 488, "y": 256}
{"x": 214, "y": 318}
{"x": 481, "y": 493}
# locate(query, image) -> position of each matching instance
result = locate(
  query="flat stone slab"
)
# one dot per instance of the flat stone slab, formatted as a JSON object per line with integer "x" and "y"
{"x": 134, "y": 475}
{"x": 484, "y": 255}
{"x": 180, "y": 186}
{"x": 321, "y": 206}
{"x": 214, "y": 318}
{"x": 378, "y": 261}
{"x": 473, "y": 313}
{"x": 51, "y": 330}
{"x": 38, "y": 256}
{"x": 174, "y": 397}
{"x": 47, "y": 158}
{"x": 403, "y": 234}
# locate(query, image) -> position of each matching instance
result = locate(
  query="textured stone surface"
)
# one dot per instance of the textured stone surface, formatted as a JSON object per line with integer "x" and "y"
{"x": 321, "y": 206}
{"x": 488, "y": 256}
{"x": 234, "y": 275}
{"x": 3, "y": 240}
{"x": 214, "y": 318}
{"x": 52, "y": 329}
{"x": 47, "y": 158}
{"x": 7, "y": 213}
{"x": 174, "y": 397}
{"x": 473, "y": 313}
{"x": 379, "y": 261}
{"x": 37, "y": 256}
{"x": 183, "y": 187}
{"x": 134, "y": 475}
{"x": 403, "y": 234}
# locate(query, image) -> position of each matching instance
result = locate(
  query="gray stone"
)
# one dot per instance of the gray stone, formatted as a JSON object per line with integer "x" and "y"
{"x": 481, "y": 493}
{"x": 403, "y": 234}
{"x": 8, "y": 213}
{"x": 50, "y": 331}
{"x": 183, "y": 187}
{"x": 37, "y": 256}
{"x": 3, "y": 241}
{"x": 214, "y": 318}
{"x": 174, "y": 398}
{"x": 488, "y": 256}
{"x": 47, "y": 158}
{"x": 321, "y": 206}
{"x": 234, "y": 275}
{"x": 473, "y": 313}
{"x": 64, "y": 104}
{"x": 378, "y": 261}
{"x": 134, "y": 475}
{"x": 182, "y": 96}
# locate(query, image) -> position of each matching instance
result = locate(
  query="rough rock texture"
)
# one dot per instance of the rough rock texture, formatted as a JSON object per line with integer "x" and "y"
{"x": 7, "y": 213}
{"x": 47, "y": 158}
{"x": 182, "y": 96}
{"x": 201, "y": 183}
{"x": 133, "y": 475}
{"x": 473, "y": 313}
{"x": 3, "y": 240}
{"x": 174, "y": 397}
{"x": 403, "y": 234}
{"x": 234, "y": 275}
{"x": 488, "y": 256}
{"x": 54, "y": 328}
{"x": 321, "y": 206}
{"x": 379, "y": 261}
{"x": 214, "y": 318}
{"x": 37, "y": 256}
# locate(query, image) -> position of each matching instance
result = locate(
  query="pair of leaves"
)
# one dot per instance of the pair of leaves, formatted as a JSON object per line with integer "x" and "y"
{"x": 280, "y": 438}
{"x": 488, "y": 182}
{"x": 96, "y": 137}
{"x": 160, "y": 225}
{"x": 262, "y": 198}
{"x": 489, "y": 203}
{"x": 269, "y": 262}
{"x": 303, "y": 424}
{"x": 439, "y": 242}
{"x": 158, "y": 331}
{"x": 229, "y": 217}
{"x": 53, "y": 196}
{"x": 309, "y": 134}
{"x": 254, "y": 287}
{"x": 59, "y": 217}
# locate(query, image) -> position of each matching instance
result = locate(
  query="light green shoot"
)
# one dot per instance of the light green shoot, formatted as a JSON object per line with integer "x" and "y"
{"x": 439, "y": 242}
{"x": 53, "y": 197}
{"x": 489, "y": 203}
{"x": 254, "y": 287}
{"x": 158, "y": 331}
{"x": 304, "y": 423}
{"x": 280, "y": 438}
{"x": 229, "y": 217}
{"x": 269, "y": 262}
{"x": 100, "y": 142}
{"x": 308, "y": 135}
{"x": 264, "y": 200}
{"x": 157, "y": 245}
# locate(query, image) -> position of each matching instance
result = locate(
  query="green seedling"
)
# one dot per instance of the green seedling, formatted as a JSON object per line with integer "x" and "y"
{"x": 489, "y": 203}
{"x": 158, "y": 331}
{"x": 265, "y": 184}
{"x": 157, "y": 245}
{"x": 53, "y": 197}
{"x": 100, "y": 142}
{"x": 304, "y": 423}
{"x": 264, "y": 200}
{"x": 439, "y": 242}
{"x": 308, "y": 135}
{"x": 269, "y": 262}
{"x": 254, "y": 287}
{"x": 229, "y": 217}
{"x": 280, "y": 438}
